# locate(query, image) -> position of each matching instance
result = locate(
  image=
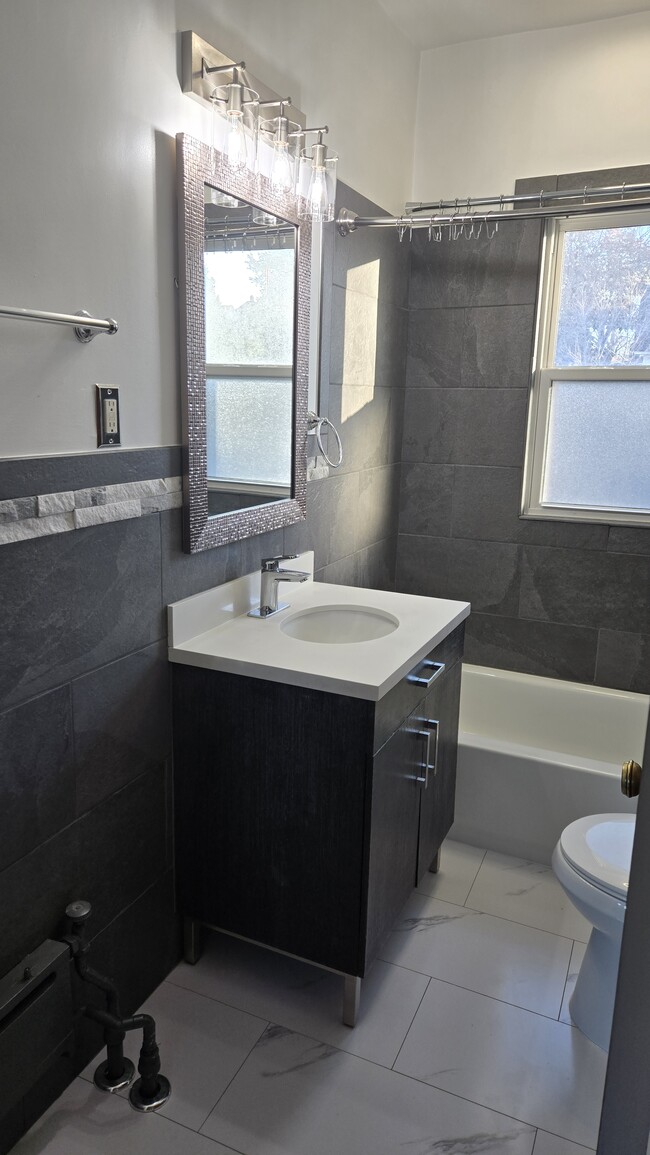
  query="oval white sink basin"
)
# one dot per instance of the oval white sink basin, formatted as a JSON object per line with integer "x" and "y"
{"x": 339, "y": 624}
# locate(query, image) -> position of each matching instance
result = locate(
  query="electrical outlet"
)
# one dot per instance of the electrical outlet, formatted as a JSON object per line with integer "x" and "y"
{"x": 108, "y": 415}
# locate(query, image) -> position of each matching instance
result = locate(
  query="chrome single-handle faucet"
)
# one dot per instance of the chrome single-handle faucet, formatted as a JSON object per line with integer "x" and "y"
{"x": 271, "y": 576}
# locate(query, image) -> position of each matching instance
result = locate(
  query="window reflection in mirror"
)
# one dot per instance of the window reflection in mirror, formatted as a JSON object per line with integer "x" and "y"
{"x": 250, "y": 275}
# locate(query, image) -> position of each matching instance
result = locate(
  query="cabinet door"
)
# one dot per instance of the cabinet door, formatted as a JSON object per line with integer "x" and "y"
{"x": 393, "y": 828}
{"x": 439, "y": 714}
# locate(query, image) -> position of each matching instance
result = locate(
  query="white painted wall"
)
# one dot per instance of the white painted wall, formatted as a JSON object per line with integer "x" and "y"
{"x": 91, "y": 105}
{"x": 560, "y": 100}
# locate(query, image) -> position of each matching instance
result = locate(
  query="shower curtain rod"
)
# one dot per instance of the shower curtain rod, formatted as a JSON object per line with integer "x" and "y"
{"x": 578, "y": 194}
{"x": 459, "y": 212}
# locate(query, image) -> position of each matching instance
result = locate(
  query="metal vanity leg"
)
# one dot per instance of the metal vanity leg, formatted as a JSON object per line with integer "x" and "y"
{"x": 435, "y": 865}
{"x": 351, "y": 995}
{"x": 192, "y": 940}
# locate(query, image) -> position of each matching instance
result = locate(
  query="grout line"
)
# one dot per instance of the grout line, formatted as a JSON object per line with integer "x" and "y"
{"x": 401, "y": 1046}
{"x": 230, "y": 1081}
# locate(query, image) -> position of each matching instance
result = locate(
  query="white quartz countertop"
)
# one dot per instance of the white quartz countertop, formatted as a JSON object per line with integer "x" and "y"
{"x": 212, "y": 630}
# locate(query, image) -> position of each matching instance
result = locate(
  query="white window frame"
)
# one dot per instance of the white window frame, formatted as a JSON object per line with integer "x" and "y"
{"x": 250, "y": 371}
{"x": 544, "y": 375}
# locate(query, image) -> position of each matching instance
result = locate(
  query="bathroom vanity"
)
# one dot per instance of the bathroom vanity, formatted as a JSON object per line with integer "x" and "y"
{"x": 314, "y": 779}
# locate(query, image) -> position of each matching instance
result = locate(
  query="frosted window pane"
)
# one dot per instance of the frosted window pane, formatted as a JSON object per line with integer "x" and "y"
{"x": 249, "y": 307}
{"x": 598, "y": 445}
{"x": 604, "y": 310}
{"x": 249, "y": 429}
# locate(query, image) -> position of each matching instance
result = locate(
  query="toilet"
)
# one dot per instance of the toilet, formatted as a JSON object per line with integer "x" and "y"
{"x": 592, "y": 864}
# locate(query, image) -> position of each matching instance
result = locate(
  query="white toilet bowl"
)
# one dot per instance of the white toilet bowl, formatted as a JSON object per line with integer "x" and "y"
{"x": 592, "y": 863}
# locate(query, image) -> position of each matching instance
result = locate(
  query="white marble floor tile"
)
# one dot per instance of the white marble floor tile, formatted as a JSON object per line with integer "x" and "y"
{"x": 551, "y": 1145}
{"x": 307, "y": 999}
{"x": 526, "y": 892}
{"x": 202, "y": 1045}
{"x": 528, "y": 1066}
{"x": 577, "y": 955}
{"x": 492, "y": 956}
{"x": 296, "y": 1096}
{"x": 83, "y": 1121}
{"x": 458, "y": 868}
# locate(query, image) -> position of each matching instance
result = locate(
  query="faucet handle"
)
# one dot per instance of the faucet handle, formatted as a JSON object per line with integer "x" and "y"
{"x": 272, "y": 564}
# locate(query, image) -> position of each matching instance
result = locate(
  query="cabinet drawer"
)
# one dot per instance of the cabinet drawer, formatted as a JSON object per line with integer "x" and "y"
{"x": 404, "y": 697}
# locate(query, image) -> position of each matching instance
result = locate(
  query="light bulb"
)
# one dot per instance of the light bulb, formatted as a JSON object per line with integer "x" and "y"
{"x": 281, "y": 169}
{"x": 317, "y": 195}
{"x": 235, "y": 141}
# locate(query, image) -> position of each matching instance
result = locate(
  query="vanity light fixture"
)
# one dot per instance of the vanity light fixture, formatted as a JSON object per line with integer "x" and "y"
{"x": 281, "y": 134}
{"x": 316, "y": 187}
{"x": 269, "y": 148}
{"x": 235, "y": 113}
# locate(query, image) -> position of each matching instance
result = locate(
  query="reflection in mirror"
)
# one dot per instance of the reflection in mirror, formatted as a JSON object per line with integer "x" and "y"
{"x": 245, "y": 295}
{"x": 250, "y": 277}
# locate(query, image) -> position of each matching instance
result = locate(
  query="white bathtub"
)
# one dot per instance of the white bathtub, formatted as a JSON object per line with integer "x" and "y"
{"x": 536, "y": 753}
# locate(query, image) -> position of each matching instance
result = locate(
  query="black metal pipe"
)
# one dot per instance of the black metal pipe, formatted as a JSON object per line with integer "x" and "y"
{"x": 152, "y": 1089}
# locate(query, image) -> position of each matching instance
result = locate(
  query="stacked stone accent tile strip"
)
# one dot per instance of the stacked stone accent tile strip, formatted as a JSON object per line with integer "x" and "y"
{"x": 48, "y": 513}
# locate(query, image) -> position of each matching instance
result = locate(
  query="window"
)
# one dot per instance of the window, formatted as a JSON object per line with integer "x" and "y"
{"x": 249, "y": 304}
{"x": 588, "y": 448}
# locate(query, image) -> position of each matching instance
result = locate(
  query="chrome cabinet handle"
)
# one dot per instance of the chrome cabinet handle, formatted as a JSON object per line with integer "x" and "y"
{"x": 432, "y": 727}
{"x": 419, "y": 679}
{"x": 423, "y": 779}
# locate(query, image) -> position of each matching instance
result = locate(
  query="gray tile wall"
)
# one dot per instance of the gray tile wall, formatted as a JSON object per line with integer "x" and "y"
{"x": 85, "y": 747}
{"x": 553, "y": 598}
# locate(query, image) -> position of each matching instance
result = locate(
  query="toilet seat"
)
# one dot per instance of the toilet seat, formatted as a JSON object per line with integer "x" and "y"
{"x": 599, "y": 848}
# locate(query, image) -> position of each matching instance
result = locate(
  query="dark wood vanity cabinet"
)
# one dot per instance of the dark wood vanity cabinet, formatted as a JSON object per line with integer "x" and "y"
{"x": 300, "y": 819}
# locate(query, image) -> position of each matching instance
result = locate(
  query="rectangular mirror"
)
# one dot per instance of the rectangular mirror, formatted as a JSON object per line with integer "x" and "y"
{"x": 245, "y": 262}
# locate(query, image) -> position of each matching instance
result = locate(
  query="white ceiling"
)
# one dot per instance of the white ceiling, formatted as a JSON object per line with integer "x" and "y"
{"x": 434, "y": 23}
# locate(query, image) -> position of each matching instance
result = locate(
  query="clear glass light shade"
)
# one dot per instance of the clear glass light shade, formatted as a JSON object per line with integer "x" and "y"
{"x": 316, "y": 188}
{"x": 282, "y": 167}
{"x": 234, "y": 135}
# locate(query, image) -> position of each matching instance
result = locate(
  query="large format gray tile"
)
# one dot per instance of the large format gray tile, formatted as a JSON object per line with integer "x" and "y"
{"x": 492, "y": 956}
{"x": 31, "y": 911}
{"x": 526, "y": 1065}
{"x": 486, "y": 505}
{"x": 202, "y": 1045}
{"x": 83, "y": 1121}
{"x": 26, "y": 476}
{"x": 184, "y": 574}
{"x": 332, "y": 524}
{"x": 500, "y": 271}
{"x": 37, "y": 791}
{"x": 426, "y": 499}
{"x": 629, "y": 539}
{"x": 586, "y": 588}
{"x": 307, "y": 999}
{"x": 483, "y": 573}
{"x": 75, "y": 601}
{"x": 357, "y": 257}
{"x": 124, "y": 846}
{"x": 623, "y": 661}
{"x": 497, "y": 347}
{"x": 435, "y": 346}
{"x": 526, "y": 892}
{"x": 378, "y": 508}
{"x": 363, "y": 416}
{"x": 122, "y": 723}
{"x": 294, "y": 1095}
{"x": 465, "y": 426}
{"x": 543, "y": 648}
{"x": 376, "y": 565}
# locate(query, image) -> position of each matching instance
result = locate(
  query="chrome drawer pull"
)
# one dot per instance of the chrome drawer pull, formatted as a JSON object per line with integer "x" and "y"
{"x": 421, "y": 680}
{"x": 432, "y": 727}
